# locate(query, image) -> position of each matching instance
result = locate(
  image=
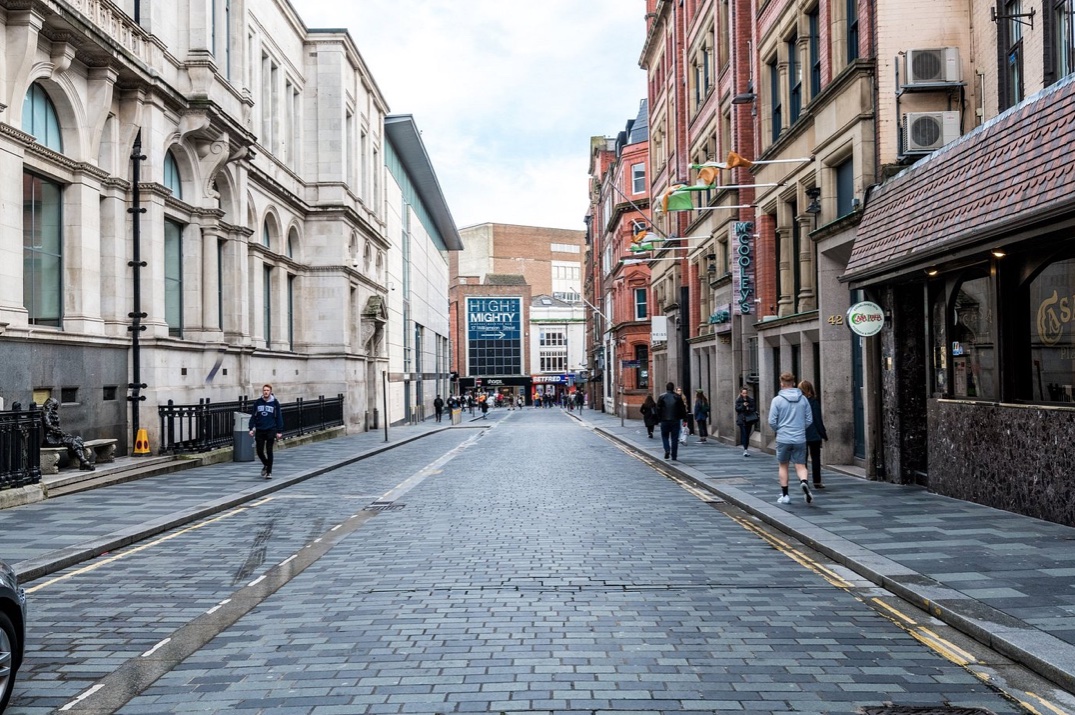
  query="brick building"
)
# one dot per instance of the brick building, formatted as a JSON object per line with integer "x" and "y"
{"x": 493, "y": 282}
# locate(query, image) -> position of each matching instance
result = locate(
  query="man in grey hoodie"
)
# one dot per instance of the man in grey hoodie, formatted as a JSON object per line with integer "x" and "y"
{"x": 789, "y": 416}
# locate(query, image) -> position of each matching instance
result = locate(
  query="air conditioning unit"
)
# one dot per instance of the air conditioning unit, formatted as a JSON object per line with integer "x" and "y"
{"x": 934, "y": 66}
{"x": 927, "y": 131}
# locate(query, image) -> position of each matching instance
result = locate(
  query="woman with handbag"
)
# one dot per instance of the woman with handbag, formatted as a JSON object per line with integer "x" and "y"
{"x": 746, "y": 416}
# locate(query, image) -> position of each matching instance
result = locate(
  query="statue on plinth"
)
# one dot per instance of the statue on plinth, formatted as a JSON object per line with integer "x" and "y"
{"x": 56, "y": 437}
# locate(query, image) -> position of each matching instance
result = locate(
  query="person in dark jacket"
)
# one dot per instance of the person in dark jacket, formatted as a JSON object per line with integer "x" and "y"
{"x": 815, "y": 432}
{"x": 266, "y": 426}
{"x": 701, "y": 414}
{"x": 690, "y": 415}
{"x": 746, "y": 416}
{"x": 438, "y": 407}
{"x": 671, "y": 412}
{"x": 649, "y": 414}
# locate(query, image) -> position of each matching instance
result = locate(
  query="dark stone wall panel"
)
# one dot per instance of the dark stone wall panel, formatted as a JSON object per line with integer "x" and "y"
{"x": 1020, "y": 459}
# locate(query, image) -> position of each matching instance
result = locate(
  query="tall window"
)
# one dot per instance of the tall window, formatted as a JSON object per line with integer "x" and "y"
{"x": 173, "y": 278}
{"x": 638, "y": 178}
{"x": 852, "y": 30}
{"x": 774, "y": 96}
{"x": 641, "y": 303}
{"x": 795, "y": 80}
{"x": 845, "y": 187}
{"x": 291, "y": 313}
{"x": 1050, "y": 371}
{"x": 42, "y": 250}
{"x": 1062, "y": 34}
{"x": 267, "y": 297}
{"x": 815, "y": 52}
{"x": 1011, "y": 41}
{"x": 266, "y": 235}
{"x": 39, "y": 118}
{"x": 642, "y": 371}
{"x": 172, "y": 179}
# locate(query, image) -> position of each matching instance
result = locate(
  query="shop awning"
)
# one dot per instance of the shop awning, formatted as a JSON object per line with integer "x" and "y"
{"x": 1010, "y": 174}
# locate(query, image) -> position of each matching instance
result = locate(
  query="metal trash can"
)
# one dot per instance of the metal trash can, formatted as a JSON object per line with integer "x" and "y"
{"x": 242, "y": 444}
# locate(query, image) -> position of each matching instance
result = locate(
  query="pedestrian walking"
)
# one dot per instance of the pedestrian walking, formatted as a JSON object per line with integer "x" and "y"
{"x": 671, "y": 411}
{"x": 438, "y": 407}
{"x": 580, "y": 400}
{"x": 789, "y": 417}
{"x": 701, "y": 414}
{"x": 690, "y": 417}
{"x": 266, "y": 426}
{"x": 483, "y": 401}
{"x": 746, "y": 416}
{"x": 815, "y": 432}
{"x": 649, "y": 415}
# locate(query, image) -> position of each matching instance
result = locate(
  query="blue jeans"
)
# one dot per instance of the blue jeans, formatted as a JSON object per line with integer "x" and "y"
{"x": 670, "y": 431}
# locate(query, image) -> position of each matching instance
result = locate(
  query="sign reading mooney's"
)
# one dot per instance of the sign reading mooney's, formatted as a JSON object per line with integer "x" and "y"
{"x": 494, "y": 336}
{"x": 741, "y": 244}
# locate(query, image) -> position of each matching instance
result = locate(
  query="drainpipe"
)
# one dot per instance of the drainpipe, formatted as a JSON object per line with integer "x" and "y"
{"x": 137, "y": 264}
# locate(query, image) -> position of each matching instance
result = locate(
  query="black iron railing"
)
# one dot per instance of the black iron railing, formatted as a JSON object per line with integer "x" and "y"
{"x": 209, "y": 425}
{"x": 20, "y": 448}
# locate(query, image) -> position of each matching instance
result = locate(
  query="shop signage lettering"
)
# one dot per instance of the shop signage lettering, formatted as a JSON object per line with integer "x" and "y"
{"x": 865, "y": 318}
{"x": 493, "y": 318}
{"x": 742, "y": 235}
{"x": 1053, "y": 314}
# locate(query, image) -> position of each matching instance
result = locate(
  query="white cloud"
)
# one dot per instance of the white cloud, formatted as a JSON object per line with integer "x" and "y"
{"x": 507, "y": 93}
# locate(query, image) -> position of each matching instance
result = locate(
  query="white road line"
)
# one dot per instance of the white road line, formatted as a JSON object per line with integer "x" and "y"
{"x": 157, "y": 647}
{"x": 220, "y": 605}
{"x": 256, "y": 581}
{"x": 82, "y": 697}
{"x": 289, "y": 558}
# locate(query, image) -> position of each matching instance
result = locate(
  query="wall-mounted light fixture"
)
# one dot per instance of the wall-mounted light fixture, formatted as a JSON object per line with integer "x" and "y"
{"x": 814, "y": 194}
{"x": 998, "y": 253}
{"x": 745, "y": 97}
{"x": 931, "y": 272}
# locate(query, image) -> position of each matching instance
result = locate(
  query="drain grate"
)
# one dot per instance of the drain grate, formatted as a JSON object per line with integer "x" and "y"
{"x": 924, "y": 710}
{"x": 384, "y": 506}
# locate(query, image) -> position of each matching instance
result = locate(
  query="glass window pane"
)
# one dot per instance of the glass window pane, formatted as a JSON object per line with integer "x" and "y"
{"x": 42, "y": 251}
{"x": 973, "y": 352}
{"x": 173, "y": 278}
{"x": 1052, "y": 333}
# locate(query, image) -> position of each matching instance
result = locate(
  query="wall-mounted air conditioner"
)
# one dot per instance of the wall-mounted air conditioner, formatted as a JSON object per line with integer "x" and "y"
{"x": 926, "y": 131}
{"x": 933, "y": 66}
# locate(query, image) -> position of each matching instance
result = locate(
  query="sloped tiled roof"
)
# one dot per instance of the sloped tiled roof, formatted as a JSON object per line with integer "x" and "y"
{"x": 1013, "y": 171}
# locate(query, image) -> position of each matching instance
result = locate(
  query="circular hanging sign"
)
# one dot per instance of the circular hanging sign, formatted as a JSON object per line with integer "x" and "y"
{"x": 865, "y": 318}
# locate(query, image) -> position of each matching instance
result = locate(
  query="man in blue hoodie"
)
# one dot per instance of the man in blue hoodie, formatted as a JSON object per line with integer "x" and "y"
{"x": 266, "y": 426}
{"x": 789, "y": 416}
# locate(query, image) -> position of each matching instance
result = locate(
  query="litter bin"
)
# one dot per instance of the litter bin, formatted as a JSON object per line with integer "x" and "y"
{"x": 242, "y": 444}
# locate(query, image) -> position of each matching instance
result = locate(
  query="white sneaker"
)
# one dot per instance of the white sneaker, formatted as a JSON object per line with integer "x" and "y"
{"x": 746, "y": 453}
{"x": 784, "y": 499}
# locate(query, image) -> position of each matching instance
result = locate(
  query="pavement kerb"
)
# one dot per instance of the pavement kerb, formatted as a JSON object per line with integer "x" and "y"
{"x": 35, "y": 568}
{"x": 1031, "y": 647}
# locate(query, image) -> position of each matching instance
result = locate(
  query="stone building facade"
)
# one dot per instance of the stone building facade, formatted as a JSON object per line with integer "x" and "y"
{"x": 263, "y": 184}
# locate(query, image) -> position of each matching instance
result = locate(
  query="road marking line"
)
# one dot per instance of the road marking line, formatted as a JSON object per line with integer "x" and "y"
{"x": 1047, "y": 704}
{"x": 82, "y": 697}
{"x": 155, "y": 648}
{"x": 289, "y": 558}
{"x": 134, "y": 550}
{"x": 950, "y": 645}
{"x": 256, "y": 581}
{"x": 220, "y": 605}
{"x": 896, "y": 612}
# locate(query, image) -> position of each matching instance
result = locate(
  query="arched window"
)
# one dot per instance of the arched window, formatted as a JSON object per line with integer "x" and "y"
{"x": 39, "y": 118}
{"x": 292, "y": 242}
{"x": 266, "y": 235}
{"x": 171, "y": 175}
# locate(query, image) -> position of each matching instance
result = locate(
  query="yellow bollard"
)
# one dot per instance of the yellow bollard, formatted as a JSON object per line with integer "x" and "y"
{"x": 141, "y": 443}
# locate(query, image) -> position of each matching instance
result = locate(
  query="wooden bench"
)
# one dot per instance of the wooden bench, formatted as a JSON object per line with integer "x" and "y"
{"x": 97, "y": 451}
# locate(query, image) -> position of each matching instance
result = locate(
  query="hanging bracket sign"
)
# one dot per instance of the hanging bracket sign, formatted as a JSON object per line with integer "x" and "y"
{"x": 865, "y": 318}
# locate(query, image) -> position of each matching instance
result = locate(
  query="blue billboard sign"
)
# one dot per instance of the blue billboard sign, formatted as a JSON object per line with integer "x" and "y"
{"x": 494, "y": 318}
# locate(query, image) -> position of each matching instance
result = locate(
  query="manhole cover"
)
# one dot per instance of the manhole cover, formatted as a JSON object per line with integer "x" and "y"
{"x": 924, "y": 710}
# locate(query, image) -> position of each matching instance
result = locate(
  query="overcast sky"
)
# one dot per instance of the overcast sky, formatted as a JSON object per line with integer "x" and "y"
{"x": 506, "y": 93}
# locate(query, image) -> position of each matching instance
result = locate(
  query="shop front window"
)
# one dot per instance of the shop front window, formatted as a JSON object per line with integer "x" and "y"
{"x": 1052, "y": 333}
{"x": 973, "y": 351}
{"x": 939, "y": 340}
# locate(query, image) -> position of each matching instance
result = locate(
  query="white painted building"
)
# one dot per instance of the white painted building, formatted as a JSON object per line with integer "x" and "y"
{"x": 266, "y": 236}
{"x": 557, "y": 342}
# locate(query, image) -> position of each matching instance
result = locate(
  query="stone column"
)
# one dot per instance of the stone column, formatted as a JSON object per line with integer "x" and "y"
{"x": 82, "y": 255}
{"x": 212, "y": 330}
{"x": 785, "y": 304}
{"x": 807, "y": 298}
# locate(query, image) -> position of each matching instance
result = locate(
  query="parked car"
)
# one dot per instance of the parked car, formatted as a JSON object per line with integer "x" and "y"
{"x": 12, "y": 631}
